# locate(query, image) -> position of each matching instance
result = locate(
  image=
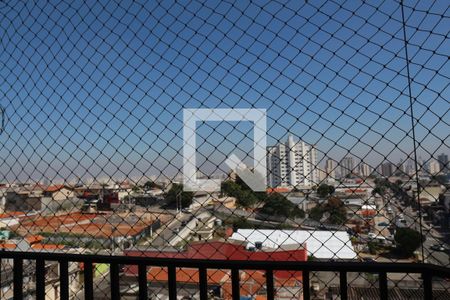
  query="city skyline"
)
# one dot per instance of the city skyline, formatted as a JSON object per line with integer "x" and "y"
{"x": 252, "y": 150}
{"x": 84, "y": 112}
{"x": 428, "y": 167}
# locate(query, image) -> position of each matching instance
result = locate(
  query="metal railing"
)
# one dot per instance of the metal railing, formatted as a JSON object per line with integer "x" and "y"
{"x": 427, "y": 272}
{"x": 98, "y": 100}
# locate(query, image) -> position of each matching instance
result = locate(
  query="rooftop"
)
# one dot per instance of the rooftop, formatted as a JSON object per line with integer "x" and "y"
{"x": 55, "y": 188}
{"x": 217, "y": 250}
{"x": 320, "y": 244}
{"x": 98, "y": 225}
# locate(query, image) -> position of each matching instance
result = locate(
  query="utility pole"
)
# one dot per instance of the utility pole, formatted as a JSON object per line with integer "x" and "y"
{"x": 178, "y": 204}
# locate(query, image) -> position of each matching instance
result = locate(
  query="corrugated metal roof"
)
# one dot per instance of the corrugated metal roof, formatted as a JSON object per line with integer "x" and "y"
{"x": 321, "y": 244}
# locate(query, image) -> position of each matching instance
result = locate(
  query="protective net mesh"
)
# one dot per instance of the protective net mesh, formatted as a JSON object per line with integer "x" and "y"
{"x": 247, "y": 130}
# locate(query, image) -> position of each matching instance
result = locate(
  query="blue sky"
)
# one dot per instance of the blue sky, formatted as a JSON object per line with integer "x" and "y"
{"x": 97, "y": 88}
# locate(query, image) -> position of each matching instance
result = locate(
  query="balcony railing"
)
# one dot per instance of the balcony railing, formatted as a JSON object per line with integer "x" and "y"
{"x": 427, "y": 272}
{"x": 268, "y": 127}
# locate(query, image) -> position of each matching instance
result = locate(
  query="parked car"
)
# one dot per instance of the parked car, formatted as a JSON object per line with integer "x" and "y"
{"x": 369, "y": 259}
{"x": 384, "y": 224}
{"x": 438, "y": 247}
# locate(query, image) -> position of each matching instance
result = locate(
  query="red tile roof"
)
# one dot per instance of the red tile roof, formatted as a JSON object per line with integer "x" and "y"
{"x": 216, "y": 250}
{"x": 11, "y": 214}
{"x": 278, "y": 190}
{"x": 55, "y": 188}
{"x": 8, "y": 246}
{"x": 186, "y": 275}
{"x": 33, "y": 239}
{"x": 55, "y": 221}
{"x": 89, "y": 224}
{"x": 47, "y": 247}
{"x": 224, "y": 251}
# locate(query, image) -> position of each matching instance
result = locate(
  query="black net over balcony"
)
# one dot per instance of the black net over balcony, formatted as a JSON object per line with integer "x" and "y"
{"x": 225, "y": 149}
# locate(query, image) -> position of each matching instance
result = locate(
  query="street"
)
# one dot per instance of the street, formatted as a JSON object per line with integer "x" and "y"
{"x": 431, "y": 235}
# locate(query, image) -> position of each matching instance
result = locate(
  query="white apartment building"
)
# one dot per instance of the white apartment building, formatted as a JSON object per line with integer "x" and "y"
{"x": 292, "y": 164}
{"x": 409, "y": 166}
{"x": 347, "y": 165}
{"x": 364, "y": 169}
{"x": 434, "y": 167}
{"x": 330, "y": 168}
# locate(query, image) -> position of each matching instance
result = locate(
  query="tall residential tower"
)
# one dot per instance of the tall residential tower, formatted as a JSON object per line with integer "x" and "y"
{"x": 292, "y": 164}
{"x": 347, "y": 165}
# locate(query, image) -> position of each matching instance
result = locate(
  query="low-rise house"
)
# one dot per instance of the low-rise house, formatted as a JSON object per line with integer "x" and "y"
{"x": 52, "y": 283}
{"x": 228, "y": 202}
{"x": 19, "y": 199}
{"x": 59, "y": 192}
{"x": 124, "y": 190}
{"x": 219, "y": 281}
{"x": 367, "y": 211}
{"x": 144, "y": 199}
{"x": 430, "y": 194}
{"x": 353, "y": 189}
{"x": 446, "y": 204}
{"x": 320, "y": 244}
{"x": 59, "y": 197}
{"x": 93, "y": 230}
{"x": 199, "y": 228}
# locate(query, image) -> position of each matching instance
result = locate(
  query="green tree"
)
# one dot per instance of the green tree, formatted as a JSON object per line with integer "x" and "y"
{"x": 230, "y": 188}
{"x": 299, "y": 213}
{"x": 278, "y": 205}
{"x": 311, "y": 257}
{"x": 242, "y": 184}
{"x": 373, "y": 247}
{"x": 407, "y": 241}
{"x": 176, "y": 194}
{"x": 441, "y": 199}
{"x": 439, "y": 179}
{"x": 245, "y": 197}
{"x": 242, "y": 223}
{"x": 261, "y": 196}
{"x": 381, "y": 186}
{"x": 336, "y": 208}
{"x": 325, "y": 190}
{"x": 150, "y": 185}
{"x": 337, "y": 218}
{"x": 316, "y": 213}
